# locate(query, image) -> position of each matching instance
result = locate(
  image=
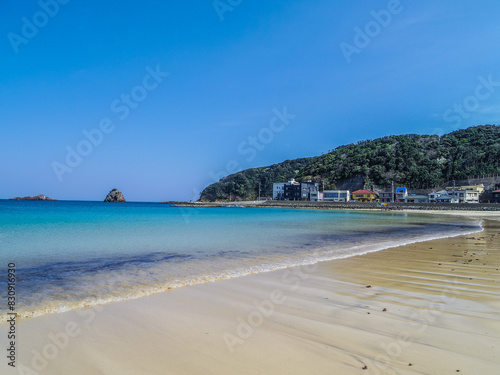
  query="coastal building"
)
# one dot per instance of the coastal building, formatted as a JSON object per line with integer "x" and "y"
{"x": 436, "y": 194}
{"x": 466, "y": 194}
{"x": 309, "y": 191}
{"x": 414, "y": 198}
{"x": 314, "y": 196}
{"x": 479, "y": 188}
{"x": 364, "y": 196}
{"x": 292, "y": 191}
{"x": 495, "y": 196}
{"x": 401, "y": 194}
{"x": 279, "y": 191}
{"x": 295, "y": 191}
{"x": 385, "y": 197}
{"x": 445, "y": 198}
{"x": 336, "y": 196}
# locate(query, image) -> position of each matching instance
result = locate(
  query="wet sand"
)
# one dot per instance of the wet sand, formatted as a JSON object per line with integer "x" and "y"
{"x": 426, "y": 308}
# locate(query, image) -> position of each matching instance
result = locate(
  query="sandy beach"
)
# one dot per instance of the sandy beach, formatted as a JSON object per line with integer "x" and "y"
{"x": 424, "y": 308}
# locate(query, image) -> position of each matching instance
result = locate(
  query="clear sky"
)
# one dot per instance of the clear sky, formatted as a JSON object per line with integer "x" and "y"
{"x": 159, "y": 98}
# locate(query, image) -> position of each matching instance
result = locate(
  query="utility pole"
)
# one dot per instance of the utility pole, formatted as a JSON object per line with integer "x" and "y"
{"x": 392, "y": 196}
{"x": 259, "y": 193}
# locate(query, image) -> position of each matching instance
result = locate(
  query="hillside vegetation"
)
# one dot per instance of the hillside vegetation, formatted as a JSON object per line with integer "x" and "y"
{"x": 417, "y": 161}
{"x": 244, "y": 185}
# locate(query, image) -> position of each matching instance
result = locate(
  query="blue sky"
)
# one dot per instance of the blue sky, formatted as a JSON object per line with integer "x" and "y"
{"x": 188, "y": 91}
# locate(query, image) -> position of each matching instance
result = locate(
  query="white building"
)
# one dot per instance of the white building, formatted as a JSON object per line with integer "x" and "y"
{"x": 336, "y": 196}
{"x": 278, "y": 190}
{"x": 433, "y": 197}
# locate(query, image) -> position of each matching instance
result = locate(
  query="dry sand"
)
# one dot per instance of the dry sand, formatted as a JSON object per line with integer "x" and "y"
{"x": 434, "y": 305}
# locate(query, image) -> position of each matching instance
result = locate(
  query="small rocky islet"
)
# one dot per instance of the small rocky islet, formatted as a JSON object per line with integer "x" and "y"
{"x": 39, "y": 197}
{"x": 115, "y": 195}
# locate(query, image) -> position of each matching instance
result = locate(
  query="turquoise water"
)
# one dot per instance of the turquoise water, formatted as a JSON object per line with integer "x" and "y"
{"x": 74, "y": 254}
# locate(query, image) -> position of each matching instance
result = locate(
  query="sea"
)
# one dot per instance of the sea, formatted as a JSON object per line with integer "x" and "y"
{"x": 74, "y": 254}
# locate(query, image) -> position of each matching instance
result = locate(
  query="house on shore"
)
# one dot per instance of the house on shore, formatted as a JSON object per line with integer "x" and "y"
{"x": 292, "y": 191}
{"x": 415, "y": 198}
{"x": 495, "y": 196}
{"x": 433, "y": 197}
{"x": 279, "y": 191}
{"x": 296, "y": 191}
{"x": 336, "y": 196}
{"x": 385, "y": 197}
{"x": 445, "y": 198}
{"x": 466, "y": 194}
{"x": 309, "y": 191}
{"x": 364, "y": 196}
{"x": 401, "y": 194}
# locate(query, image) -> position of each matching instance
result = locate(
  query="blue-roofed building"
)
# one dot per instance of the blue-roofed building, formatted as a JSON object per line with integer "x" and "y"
{"x": 401, "y": 194}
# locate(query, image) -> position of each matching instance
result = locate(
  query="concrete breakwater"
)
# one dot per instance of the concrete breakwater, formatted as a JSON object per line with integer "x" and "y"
{"x": 351, "y": 205}
{"x": 378, "y": 206}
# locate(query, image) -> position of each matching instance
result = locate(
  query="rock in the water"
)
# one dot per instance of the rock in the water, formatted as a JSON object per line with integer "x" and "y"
{"x": 115, "y": 195}
{"x": 39, "y": 197}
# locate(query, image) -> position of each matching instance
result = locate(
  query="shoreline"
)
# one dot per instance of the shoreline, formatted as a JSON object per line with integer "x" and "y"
{"x": 440, "y": 298}
{"x": 463, "y": 207}
{"x": 231, "y": 274}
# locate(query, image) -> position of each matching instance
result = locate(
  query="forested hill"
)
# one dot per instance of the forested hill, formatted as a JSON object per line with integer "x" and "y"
{"x": 419, "y": 161}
